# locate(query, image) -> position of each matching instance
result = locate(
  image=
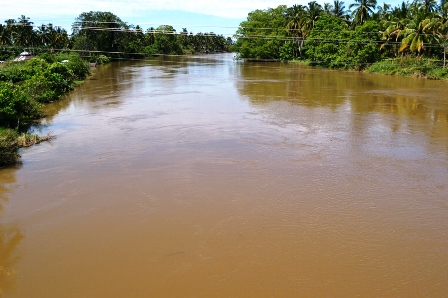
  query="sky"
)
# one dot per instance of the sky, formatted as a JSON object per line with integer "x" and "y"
{"x": 220, "y": 17}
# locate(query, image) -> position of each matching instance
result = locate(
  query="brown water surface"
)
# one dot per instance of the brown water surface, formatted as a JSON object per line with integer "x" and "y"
{"x": 207, "y": 177}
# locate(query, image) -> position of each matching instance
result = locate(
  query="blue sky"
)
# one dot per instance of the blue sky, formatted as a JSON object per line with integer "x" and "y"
{"x": 221, "y": 17}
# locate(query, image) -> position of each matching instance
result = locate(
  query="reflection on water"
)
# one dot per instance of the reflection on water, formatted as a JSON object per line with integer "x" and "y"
{"x": 10, "y": 238}
{"x": 207, "y": 177}
{"x": 421, "y": 102}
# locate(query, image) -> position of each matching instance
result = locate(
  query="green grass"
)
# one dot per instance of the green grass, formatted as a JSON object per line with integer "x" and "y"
{"x": 410, "y": 66}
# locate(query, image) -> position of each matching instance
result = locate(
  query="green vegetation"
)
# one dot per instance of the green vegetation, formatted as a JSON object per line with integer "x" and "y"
{"x": 8, "y": 147}
{"x": 410, "y": 66}
{"x": 24, "y": 87}
{"x": 368, "y": 37}
{"x": 99, "y": 36}
{"x": 61, "y": 62}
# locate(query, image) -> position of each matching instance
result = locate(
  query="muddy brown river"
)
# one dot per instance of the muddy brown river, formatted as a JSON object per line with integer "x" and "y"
{"x": 208, "y": 177}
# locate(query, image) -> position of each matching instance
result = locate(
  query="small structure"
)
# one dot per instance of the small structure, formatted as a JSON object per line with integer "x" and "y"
{"x": 24, "y": 56}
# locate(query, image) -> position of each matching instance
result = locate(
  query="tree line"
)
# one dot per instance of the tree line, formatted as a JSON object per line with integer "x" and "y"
{"x": 338, "y": 37}
{"x": 96, "y": 32}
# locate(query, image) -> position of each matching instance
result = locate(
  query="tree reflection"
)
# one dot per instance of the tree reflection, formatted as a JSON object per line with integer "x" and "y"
{"x": 10, "y": 238}
{"x": 413, "y": 103}
{"x": 263, "y": 82}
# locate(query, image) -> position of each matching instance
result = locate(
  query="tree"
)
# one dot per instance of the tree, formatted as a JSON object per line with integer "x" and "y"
{"x": 5, "y": 35}
{"x": 313, "y": 12}
{"x": 23, "y": 33}
{"x": 339, "y": 10}
{"x": 332, "y": 44}
{"x": 263, "y": 34}
{"x": 417, "y": 33}
{"x": 295, "y": 17}
{"x": 401, "y": 12}
{"x": 429, "y": 5}
{"x": 42, "y": 35}
{"x": 441, "y": 29}
{"x": 166, "y": 42}
{"x": 363, "y": 10}
{"x": 98, "y": 30}
{"x": 325, "y": 45}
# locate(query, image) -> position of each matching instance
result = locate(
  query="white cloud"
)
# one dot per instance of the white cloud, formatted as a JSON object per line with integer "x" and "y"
{"x": 56, "y": 8}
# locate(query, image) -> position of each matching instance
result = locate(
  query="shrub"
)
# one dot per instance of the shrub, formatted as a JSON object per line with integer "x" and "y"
{"x": 8, "y": 147}
{"x": 102, "y": 59}
{"x": 15, "y": 106}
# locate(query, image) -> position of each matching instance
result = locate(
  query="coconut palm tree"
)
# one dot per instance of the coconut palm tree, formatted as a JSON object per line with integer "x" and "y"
{"x": 441, "y": 30}
{"x": 24, "y": 34}
{"x": 5, "y": 35}
{"x": 296, "y": 18}
{"x": 339, "y": 10}
{"x": 443, "y": 8}
{"x": 430, "y": 5}
{"x": 401, "y": 12}
{"x": 58, "y": 38}
{"x": 42, "y": 35}
{"x": 363, "y": 10}
{"x": 313, "y": 11}
{"x": 418, "y": 33}
{"x": 328, "y": 8}
{"x": 383, "y": 12}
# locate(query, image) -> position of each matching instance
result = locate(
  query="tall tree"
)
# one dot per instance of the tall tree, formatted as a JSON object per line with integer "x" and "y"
{"x": 98, "y": 30}
{"x": 295, "y": 17}
{"x": 339, "y": 10}
{"x": 362, "y": 10}
{"x": 23, "y": 35}
{"x": 418, "y": 33}
{"x": 313, "y": 12}
{"x": 5, "y": 35}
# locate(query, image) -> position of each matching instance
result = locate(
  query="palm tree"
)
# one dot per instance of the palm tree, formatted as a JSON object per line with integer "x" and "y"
{"x": 313, "y": 11}
{"x": 443, "y": 8}
{"x": 24, "y": 34}
{"x": 5, "y": 35}
{"x": 441, "y": 30}
{"x": 58, "y": 38}
{"x": 339, "y": 10}
{"x": 429, "y": 5}
{"x": 401, "y": 12}
{"x": 383, "y": 11}
{"x": 328, "y": 8}
{"x": 418, "y": 33}
{"x": 363, "y": 9}
{"x": 42, "y": 35}
{"x": 295, "y": 18}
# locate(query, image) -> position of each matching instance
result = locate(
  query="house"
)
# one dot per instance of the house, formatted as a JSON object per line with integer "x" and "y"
{"x": 24, "y": 56}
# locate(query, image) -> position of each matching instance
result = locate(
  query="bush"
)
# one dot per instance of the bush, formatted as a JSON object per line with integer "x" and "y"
{"x": 8, "y": 147}
{"x": 102, "y": 59}
{"x": 15, "y": 106}
{"x": 410, "y": 66}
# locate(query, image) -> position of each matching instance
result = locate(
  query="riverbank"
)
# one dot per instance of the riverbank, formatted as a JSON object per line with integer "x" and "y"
{"x": 410, "y": 67}
{"x": 24, "y": 88}
{"x": 405, "y": 66}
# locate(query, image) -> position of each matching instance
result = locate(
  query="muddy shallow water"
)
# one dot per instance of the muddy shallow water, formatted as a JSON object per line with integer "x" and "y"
{"x": 207, "y": 177}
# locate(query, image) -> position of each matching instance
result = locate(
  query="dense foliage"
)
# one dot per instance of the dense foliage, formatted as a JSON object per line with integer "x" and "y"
{"x": 8, "y": 147}
{"x": 26, "y": 85}
{"x": 98, "y": 33}
{"x": 331, "y": 36}
{"x": 97, "y": 36}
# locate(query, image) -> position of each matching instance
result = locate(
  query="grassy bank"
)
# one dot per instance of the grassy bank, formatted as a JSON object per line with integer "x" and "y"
{"x": 411, "y": 67}
{"x": 24, "y": 88}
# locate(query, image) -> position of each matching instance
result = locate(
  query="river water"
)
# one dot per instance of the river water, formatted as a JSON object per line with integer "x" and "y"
{"x": 208, "y": 177}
